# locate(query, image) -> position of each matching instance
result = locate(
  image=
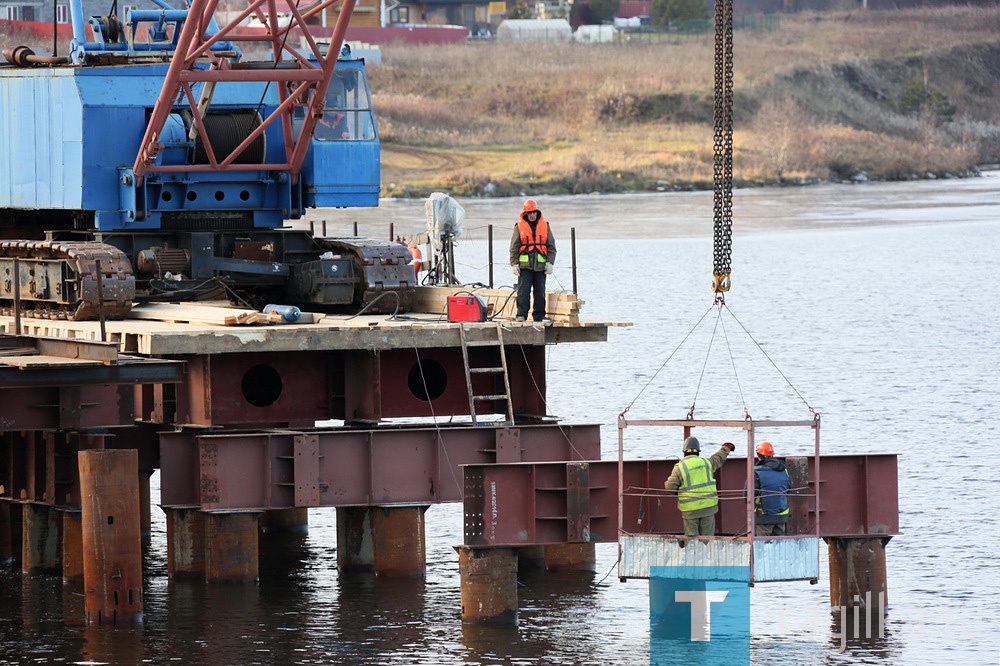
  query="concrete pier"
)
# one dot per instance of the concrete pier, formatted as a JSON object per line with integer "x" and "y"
{"x": 72, "y": 547}
{"x": 231, "y": 554}
{"x": 185, "y": 543}
{"x": 7, "y": 535}
{"x": 386, "y": 541}
{"x": 41, "y": 544}
{"x": 145, "y": 507}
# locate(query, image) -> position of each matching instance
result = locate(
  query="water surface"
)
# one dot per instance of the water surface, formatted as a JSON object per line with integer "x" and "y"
{"x": 875, "y": 303}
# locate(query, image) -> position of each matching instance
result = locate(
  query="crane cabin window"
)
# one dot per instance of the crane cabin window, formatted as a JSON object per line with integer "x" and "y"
{"x": 347, "y": 114}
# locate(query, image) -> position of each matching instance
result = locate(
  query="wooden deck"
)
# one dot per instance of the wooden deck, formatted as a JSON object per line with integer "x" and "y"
{"x": 189, "y": 329}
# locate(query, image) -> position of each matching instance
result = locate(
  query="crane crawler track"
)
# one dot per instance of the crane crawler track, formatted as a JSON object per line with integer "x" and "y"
{"x": 382, "y": 267}
{"x": 59, "y": 280}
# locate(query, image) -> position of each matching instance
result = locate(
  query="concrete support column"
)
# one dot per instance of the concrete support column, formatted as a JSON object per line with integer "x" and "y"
{"x": 388, "y": 541}
{"x": 355, "y": 547}
{"x": 145, "y": 508}
{"x": 72, "y": 547}
{"x": 112, "y": 565}
{"x": 857, "y": 572}
{"x": 185, "y": 543}
{"x": 571, "y": 557}
{"x": 6, "y": 531}
{"x": 400, "y": 549}
{"x": 231, "y": 545}
{"x": 11, "y": 530}
{"x": 489, "y": 585}
{"x": 41, "y": 545}
{"x": 285, "y": 521}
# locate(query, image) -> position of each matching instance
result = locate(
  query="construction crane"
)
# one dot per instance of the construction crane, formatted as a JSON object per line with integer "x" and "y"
{"x": 164, "y": 154}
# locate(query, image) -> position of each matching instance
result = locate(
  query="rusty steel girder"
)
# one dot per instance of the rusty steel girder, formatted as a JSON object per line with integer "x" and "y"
{"x": 543, "y": 503}
{"x": 40, "y": 467}
{"x": 56, "y": 384}
{"x": 65, "y": 407}
{"x": 297, "y": 389}
{"x": 349, "y": 467}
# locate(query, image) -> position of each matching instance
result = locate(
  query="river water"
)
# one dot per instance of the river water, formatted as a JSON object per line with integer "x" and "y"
{"x": 876, "y": 304}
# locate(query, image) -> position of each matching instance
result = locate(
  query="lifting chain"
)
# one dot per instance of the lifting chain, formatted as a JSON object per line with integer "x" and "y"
{"x": 723, "y": 147}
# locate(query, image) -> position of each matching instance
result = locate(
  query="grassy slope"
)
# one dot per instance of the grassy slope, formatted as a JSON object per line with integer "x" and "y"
{"x": 817, "y": 98}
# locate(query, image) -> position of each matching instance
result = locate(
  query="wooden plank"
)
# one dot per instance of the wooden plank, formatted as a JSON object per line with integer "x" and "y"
{"x": 334, "y": 332}
{"x": 201, "y": 314}
{"x": 560, "y": 306}
{"x": 23, "y": 362}
{"x": 102, "y": 352}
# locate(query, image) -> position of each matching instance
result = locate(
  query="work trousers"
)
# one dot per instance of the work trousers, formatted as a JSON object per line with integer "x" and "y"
{"x": 704, "y": 526}
{"x": 531, "y": 287}
{"x": 769, "y": 530}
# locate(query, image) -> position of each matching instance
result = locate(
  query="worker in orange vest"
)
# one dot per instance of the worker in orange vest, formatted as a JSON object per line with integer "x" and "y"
{"x": 532, "y": 255}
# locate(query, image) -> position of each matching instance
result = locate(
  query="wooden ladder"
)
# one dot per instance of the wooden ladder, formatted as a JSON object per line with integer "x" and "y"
{"x": 471, "y": 371}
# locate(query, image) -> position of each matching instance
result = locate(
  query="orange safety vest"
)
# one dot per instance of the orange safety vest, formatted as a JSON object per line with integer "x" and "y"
{"x": 533, "y": 242}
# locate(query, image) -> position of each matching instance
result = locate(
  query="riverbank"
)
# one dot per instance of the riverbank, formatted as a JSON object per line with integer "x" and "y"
{"x": 850, "y": 96}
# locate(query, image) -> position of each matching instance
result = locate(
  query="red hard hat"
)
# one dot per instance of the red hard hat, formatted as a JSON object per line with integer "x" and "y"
{"x": 765, "y": 449}
{"x": 530, "y": 205}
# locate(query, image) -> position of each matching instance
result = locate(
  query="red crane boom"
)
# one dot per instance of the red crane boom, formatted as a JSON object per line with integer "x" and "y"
{"x": 299, "y": 80}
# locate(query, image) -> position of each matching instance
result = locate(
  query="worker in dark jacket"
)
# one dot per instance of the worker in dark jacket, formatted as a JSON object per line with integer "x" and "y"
{"x": 694, "y": 480}
{"x": 771, "y": 483}
{"x": 532, "y": 254}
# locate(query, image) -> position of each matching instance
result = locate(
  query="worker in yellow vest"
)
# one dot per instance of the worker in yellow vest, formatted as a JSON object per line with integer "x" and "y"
{"x": 694, "y": 480}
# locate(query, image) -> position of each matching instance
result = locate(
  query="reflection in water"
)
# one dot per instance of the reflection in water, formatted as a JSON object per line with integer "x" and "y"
{"x": 221, "y": 622}
{"x": 120, "y": 645}
{"x": 861, "y": 632}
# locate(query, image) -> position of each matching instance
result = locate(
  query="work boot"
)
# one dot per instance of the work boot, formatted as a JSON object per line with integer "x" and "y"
{"x": 544, "y": 320}
{"x": 519, "y": 318}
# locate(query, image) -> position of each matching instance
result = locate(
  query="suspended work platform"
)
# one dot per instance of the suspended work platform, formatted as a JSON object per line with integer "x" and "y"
{"x": 849, "y": 501}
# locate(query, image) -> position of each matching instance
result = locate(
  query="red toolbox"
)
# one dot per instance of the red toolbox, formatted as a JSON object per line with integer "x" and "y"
{"x": 466, "y": 307}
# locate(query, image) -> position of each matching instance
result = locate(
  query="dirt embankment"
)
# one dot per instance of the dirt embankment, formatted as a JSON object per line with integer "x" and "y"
{"x": 944, "y": 98}
{"x": 892, "y": 96}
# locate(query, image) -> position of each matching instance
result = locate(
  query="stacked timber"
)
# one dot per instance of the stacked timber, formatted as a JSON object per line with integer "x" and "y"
{"x": 560, "y": 306}
{"x": 202, "y": 314}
